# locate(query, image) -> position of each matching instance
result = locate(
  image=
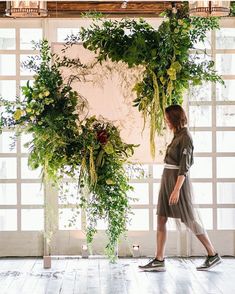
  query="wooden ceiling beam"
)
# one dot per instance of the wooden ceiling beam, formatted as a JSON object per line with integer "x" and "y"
{"x": 75, "y": 8}
{"x": 109, "y": 7}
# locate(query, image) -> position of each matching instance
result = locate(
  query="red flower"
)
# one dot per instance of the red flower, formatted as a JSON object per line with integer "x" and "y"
{"x": 102, "y": 136}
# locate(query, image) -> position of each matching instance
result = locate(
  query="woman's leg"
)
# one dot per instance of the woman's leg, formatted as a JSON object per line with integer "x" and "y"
{"x": 213, "y": 258}
{"x": 161, "y": 236}
{"x": 202, "y": 236}
{"x": 206, "y": 242}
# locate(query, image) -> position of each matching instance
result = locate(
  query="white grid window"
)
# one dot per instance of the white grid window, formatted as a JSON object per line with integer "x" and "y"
{"x": 21, "y": 194}
{"x": 211, "y": 121}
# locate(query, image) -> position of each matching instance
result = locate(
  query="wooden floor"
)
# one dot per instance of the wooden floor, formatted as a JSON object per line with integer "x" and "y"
{"x": 97, "y": 275}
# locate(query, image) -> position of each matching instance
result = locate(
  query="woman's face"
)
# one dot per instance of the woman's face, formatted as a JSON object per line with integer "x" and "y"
{"x": 170, "y": 126}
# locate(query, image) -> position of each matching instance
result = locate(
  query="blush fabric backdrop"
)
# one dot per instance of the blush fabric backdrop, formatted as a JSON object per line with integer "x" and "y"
{"x": 108, "y": 90}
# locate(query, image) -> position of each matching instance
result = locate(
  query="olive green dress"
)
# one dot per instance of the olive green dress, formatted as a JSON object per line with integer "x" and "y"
{"x": 179, "y": 153}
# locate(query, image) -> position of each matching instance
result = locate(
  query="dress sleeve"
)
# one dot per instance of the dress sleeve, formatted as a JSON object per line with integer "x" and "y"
{"x": 186, "y": 155}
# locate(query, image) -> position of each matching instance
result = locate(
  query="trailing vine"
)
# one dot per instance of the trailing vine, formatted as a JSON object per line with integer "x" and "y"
{"x": 102, "y": 170}
{"x": 63, "y": 144}
{"x": 170, "y": 66}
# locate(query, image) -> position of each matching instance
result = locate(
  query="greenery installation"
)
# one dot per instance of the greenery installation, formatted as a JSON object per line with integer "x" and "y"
{"x": 63, "y": 144}
{"x": 164, "y": 53}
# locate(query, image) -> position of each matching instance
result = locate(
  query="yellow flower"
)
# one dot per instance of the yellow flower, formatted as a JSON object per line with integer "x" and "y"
{"x": 163, "y": 81}
{"x": 108, "y": 148}
{"x": 172, "y": 73}
{"x": 47, "y": 93}
{"x": 180, "y": 22}
{"x": 109, "y": 182}
{"x": 18, "y": 113}
{"x": 176, "y": 65}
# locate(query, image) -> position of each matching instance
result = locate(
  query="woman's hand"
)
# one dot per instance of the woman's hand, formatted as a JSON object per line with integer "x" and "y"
{"x": 174, "y": 198}
{"x": 175, "y": 195}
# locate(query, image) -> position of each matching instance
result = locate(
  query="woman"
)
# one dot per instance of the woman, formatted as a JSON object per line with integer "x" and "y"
{"x": 175, "y": 195}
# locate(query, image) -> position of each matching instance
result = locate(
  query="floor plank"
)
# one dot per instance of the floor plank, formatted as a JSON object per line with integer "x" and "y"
{"x": 25, "y": 266}
{"x": 99, "y": 276}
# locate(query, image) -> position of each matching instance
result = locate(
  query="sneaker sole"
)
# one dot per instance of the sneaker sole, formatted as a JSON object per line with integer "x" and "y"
{"x": 208, "y": 268}
{"x": 159, "y": 269}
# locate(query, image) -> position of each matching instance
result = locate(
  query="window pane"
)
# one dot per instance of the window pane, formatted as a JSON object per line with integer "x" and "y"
{"x": 25, "y": 138}
{"x": 65, "y": 217}
{"x": 7, "y": 39}
{"x": 157, "y": 170}
{"x": 206, "y": 44}
{"x": 139, "y": 220}
{"x": 225, "y": 141}
{"x": 202, "y": 141}
{"x": 26, "y": 172}
{"x": 200, "y": 93}
{"x": 27, "y": 215}
{"x": 4, "y": 111}
{"x": 141, "y": 192}
{"x": 199, "y": 58}
{"x": 8, "y": 194}
{"x": 202, "y": 193}
{"x": 29, "y": 35}
{"x": 226, "y": 193}
{"x": 226, "y": 218}
{"x": 6, "y": 142}
{"x": 62, "y": 33}
{"x": 7, "y": 64}
{"x": 156, "y": 188}
{"x": 137, "y": 171}
{"x": 206, "y": 216}
{"x": 225, "y": 92}
{"x": 68, "y": 193}
{"x": 7, "y": 168}
{"x": 8, "y": 90}
{"x": 198, "y": 169}
{"x": 24, "y": 58}
{"x": 225, "y": 115}
{"x": 225, "y": 38}
{"x": 200, "y": 116}
{"x": 102, "y": 225}
{"x": 32, "y": 193}
{"x": 225, "y": 63}
{"x": 225, "y": 167}
{"x": 8, "y": 219}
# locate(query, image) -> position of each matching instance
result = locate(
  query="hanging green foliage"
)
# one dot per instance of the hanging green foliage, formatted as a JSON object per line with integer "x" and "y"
{"x": 102, "y": 170}
{"x": 62, "y": 144}
{"x": 166, "y": 53}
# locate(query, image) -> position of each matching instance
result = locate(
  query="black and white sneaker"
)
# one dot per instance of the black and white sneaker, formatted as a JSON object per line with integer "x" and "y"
{"x": 210, "y": 262}
{"x": 154, "y": 265}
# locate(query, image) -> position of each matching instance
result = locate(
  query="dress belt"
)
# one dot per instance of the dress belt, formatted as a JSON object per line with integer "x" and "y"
{"x": 171, "y": 166}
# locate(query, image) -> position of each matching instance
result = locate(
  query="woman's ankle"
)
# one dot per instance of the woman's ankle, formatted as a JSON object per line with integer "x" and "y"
{"x": 159, "y": 258}
{"x": 211, "y": 252}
